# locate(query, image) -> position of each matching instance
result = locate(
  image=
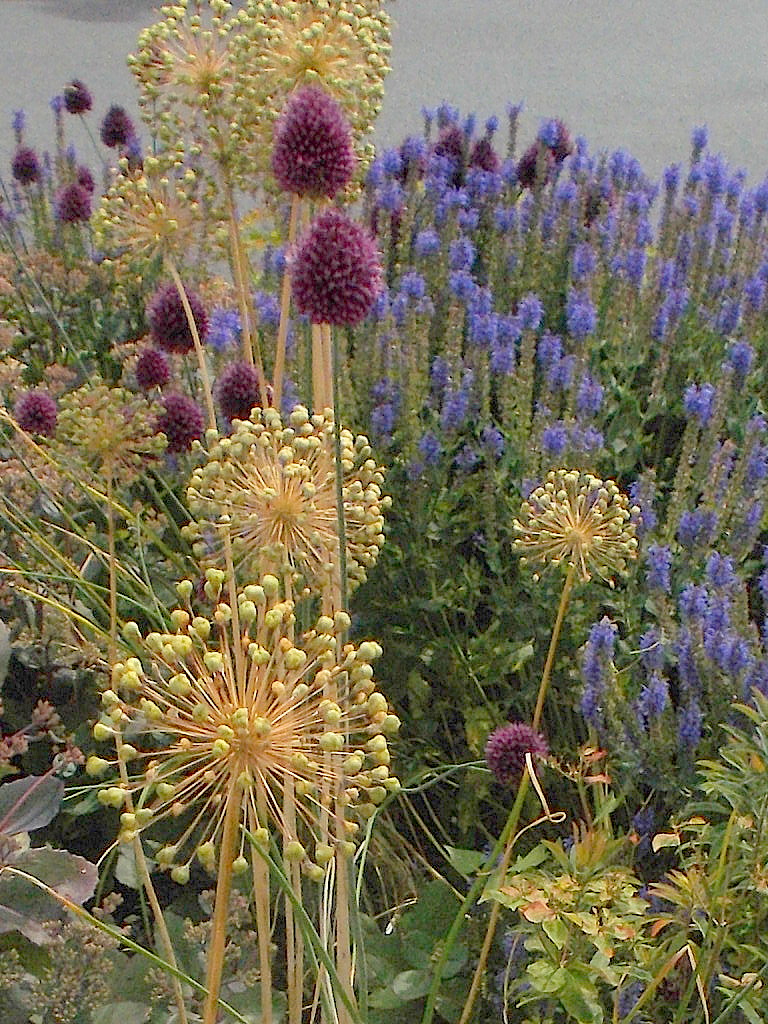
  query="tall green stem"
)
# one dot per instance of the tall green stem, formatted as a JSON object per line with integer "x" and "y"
{"x": 505, "y": 842}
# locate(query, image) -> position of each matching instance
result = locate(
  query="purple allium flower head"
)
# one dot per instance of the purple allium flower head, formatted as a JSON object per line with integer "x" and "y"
{"x": 484, "y": 157}
{"x": 528, "y": 165}
{"x": 658, "y": 573}
{"x": 73, "y": 204}
{"x": 336, "y": 273}
{"x": 224, "y": 326}
{"x": 152, "y": 370}
{"x": 182, "y": 421}
{"x": 740, "y": 357}
{"x": 168, "y": 322}
{"x": 689, "y": 726}
{"x": 77, "y": 98}
{"x": 117, "y": 128}
{"x": 25, "y": 166}
{"x": 36, "y": 412}
{"x": 700, "y": 402}
{"x": 313, "y": 153}
{"x": 238, "y": 391}
{"x": 506, "y": 748}
{"x": 85, "y": 179}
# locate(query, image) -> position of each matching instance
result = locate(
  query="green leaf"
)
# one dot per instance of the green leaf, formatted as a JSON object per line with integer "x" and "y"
{"x": 579, "y": 999}
{"x": 410, "y": 985}
{"x": 30, "y": 803}
{"x": 25, "y": 908}
{"x": 5, "y": 651}
{"x": 466, "y": 862}
{"x": 556, "y": 930}
{"x": 120, "y": 1013}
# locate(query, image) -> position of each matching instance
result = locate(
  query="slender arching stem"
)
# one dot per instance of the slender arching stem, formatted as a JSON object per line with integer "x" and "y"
{"x": 203, "y": 365}
{"x": 504, "y": 844}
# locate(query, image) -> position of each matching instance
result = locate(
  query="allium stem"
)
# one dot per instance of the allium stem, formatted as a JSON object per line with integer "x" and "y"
{"x": 204, "y": 376}
{"x": 285, "y": 308}
{"x": 260, "y": 868}
{"x": 112, "y": 557}
{"x": 146, "y": 882}
{"x": 319, "y": 396}
{"x": 221, "y": 909}
{"x": 562, "y": 608}
{"x": 505, "y": 842}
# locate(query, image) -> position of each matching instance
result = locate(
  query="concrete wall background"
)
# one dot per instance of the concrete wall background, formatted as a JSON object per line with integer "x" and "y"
{"x": 621, "y": 73}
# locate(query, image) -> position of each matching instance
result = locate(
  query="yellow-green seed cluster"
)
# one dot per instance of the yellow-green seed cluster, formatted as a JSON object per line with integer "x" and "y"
{"x": 577, "y": 520}
{"x": 271, "y": 488}
{"x": 226, "y": 706}
{"x": 107, "y": 426}
{"x": 341, "y": 45}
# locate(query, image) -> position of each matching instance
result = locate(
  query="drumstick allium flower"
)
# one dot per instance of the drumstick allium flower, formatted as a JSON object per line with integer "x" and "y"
{"x": 227, "y": 707}
{"x": 335, "y": 271}
{"x": 271, "y": 487}
{"x": 576, "y": 520}
{"x": 313, "y": 154}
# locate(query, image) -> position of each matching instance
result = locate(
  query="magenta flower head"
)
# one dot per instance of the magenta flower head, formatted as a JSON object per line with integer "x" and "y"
{"x": 484, "y": 157}
{"x": 237, "y": 391}
{"x": 182, "y": 421}
{"x": 36, "y": 412}
{"x": 85, "y": 179}
{"x": 506, "y": 748}
{"x": 77, "y": 97}
{"x": 117, "y": 127}
{"x": 335, "y": 272}
{"x": 25, "y": 166}
{"x": 168, "y": 323}
{"x": 72, "y": 204}
{"x": 152, "y": 370}
{"x": 313, "y": 154}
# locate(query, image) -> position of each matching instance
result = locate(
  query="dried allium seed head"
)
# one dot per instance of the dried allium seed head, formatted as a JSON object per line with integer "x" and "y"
{"x": 230, "y": 707}
{"x": 107, "y": 426}
{"x": 272, "y": 487}
{"x": 575, "y": 519}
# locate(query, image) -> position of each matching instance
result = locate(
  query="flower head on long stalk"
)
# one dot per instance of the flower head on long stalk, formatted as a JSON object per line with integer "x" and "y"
{"x": 576, "y": 519}
{"x": 342, "y": 46}
{"x": 271, "y": 488}
{"x": 227, "y": 707}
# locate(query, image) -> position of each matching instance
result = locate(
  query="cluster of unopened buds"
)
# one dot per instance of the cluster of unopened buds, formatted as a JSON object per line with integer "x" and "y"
{"x": 228, "y": 707}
